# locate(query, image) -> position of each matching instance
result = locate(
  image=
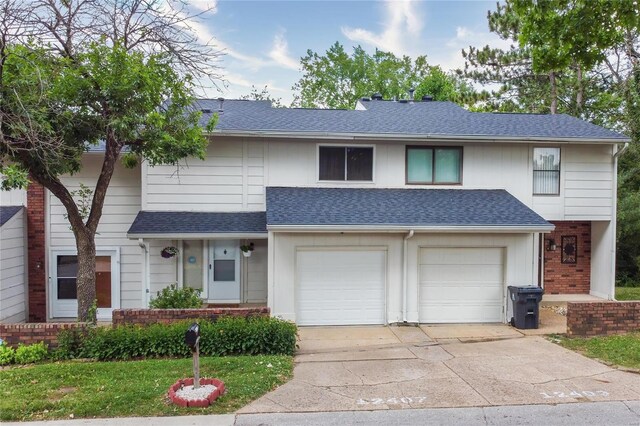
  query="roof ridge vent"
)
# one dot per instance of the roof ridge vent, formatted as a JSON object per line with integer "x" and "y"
{"x": 221, "y": 100}
{"x": 427, "y": 98}
{"x": 376, "y": 96}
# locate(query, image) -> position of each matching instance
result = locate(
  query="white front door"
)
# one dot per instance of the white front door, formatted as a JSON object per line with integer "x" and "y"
{"x": 461, "y": 284}
{"x": 63, "y": 283}
{"x": 224, "y": 277}
{"x": 339, "y": 286}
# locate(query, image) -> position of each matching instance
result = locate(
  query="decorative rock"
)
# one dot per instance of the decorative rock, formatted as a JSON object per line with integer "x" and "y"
{"x": 183, "y": 394}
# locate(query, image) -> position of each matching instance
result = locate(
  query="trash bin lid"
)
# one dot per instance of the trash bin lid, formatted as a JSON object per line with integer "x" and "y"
{"x": 526, "y": 289}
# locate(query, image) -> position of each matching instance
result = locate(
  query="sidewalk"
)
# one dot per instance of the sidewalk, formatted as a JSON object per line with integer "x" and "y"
{"x": 588, "y": 414}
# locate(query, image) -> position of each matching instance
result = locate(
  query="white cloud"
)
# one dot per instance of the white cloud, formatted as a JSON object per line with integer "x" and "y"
{"x": 280, "y": 52}
{"x": 210, "y": 6}
{"x": 403, "y": 24}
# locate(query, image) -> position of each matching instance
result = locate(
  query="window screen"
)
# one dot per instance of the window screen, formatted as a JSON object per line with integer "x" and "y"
{"x": 546, "y": 171}
{"x": 345, "y": 163}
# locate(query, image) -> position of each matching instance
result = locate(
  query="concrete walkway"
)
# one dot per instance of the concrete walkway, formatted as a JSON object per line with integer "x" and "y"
{"x": 379, "y": 368}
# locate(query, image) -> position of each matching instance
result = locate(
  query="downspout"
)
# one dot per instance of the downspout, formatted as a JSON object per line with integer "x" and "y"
{"x": 145, "y": 274}
{"x": 405, "y": 267}
{"x": 621, "y": 151}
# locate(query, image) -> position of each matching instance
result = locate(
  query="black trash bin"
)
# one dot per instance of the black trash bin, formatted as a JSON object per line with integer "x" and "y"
{"x": 524, "y": 304}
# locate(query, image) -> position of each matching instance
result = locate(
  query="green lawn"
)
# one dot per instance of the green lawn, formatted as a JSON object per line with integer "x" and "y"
{"x": 627, "y": 293}
{"x": 623, "y": 350}
{"x": 134, "y": 388}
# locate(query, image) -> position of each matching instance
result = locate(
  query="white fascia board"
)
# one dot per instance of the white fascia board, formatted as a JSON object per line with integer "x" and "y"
{"x": 200, "y": 236}
{"x": 416, "y": 137}
{"x": 403, "y": 228}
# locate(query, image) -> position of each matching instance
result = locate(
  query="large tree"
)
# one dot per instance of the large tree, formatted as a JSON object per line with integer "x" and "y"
{"x": 580, "y": 57}
{"x": 337, "y": 79}
{"x": 75, "y": 73}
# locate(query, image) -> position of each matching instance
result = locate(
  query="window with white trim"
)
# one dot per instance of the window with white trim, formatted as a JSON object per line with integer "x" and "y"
{"x": 546, "y": 171}
{"x": 345, "y": 163}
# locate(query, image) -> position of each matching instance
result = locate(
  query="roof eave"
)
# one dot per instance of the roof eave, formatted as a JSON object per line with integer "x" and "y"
{"x": 417, "y": 228}
{"x": 414, "y": 137}
{"x": 196, "y": 235}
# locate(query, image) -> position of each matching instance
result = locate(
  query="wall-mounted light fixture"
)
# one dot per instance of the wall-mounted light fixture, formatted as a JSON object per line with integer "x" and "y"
{"x": 551, "y": 245}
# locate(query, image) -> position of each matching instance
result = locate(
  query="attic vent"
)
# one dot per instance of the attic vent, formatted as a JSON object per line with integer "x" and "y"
{"x": 376, "y": 97}
{"x": 206, "y": 111}
{"x": 365, "y": 99}
{"x": 221, "y": 100}
{"x": 427, "y": 98}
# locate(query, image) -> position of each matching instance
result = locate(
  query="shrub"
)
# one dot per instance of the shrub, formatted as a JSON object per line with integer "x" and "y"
{"x": 7, "y": 354}
{"x": 69, "y": 344}
{"x": 227, "y": 336}
{"x": 26, "y": 354}
{"x": 173, "y": 297}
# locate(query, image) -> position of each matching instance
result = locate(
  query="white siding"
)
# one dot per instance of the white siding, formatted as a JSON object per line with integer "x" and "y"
{"x": 15, "y": 197}
{"x": 162, "y": 272}
{"x": 231, "y": 178}
{"x": 256, "y": 274}
{"x": 586, "y": 188}
{"x": 13, "y": 260}
{"x": 120, "y": 209}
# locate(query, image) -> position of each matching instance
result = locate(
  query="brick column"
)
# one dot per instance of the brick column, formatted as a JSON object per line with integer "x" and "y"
{"x": 36, "y": 251}
{"x": 568, "y": 278}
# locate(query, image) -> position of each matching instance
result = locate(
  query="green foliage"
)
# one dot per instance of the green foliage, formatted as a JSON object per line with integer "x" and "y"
{"x": 27, "y": 354}
{"x": 263, "y": 95}
{"x": 92, "y": 314}
{"x": 337, "y": 79}
{"x": 7, "y": 354}
{"x": 173, "y": 297}
{"x": 226, "y": 336}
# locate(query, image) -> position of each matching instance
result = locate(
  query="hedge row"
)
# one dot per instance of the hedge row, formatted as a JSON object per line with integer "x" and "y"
{"x": 226, "y": 336}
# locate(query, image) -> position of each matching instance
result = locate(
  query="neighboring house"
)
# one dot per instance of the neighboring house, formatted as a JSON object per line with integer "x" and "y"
{"x": 396, "y": 211}
{"x": 13, "y": 282}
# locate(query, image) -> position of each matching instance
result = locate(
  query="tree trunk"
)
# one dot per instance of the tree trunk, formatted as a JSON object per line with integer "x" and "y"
{"x": 554, "y": 92}
{"x": 580, "y": 91}
{"x": 86, "y": 245}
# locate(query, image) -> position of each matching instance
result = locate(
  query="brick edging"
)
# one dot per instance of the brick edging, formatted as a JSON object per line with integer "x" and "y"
{"x": 29, "y": 333}
{"x": 602, "y": 318}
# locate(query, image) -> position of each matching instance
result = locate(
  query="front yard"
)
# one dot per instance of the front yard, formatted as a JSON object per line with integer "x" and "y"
{"x": 75, "y": 389}
{"x": 623, "y": 350}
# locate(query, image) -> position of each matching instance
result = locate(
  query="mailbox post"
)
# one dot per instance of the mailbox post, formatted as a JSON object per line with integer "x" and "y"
{"x": 192, "y": 339}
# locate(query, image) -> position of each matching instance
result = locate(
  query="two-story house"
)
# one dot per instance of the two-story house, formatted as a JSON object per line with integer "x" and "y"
{"x": 395, "y": 211}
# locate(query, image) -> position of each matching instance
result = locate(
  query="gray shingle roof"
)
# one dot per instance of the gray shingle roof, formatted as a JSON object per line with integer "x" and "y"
{"x": 174, "y": 222}
{"x": 7, "y": 212}
{"x": 444, "y": 119}
{"x": 398, "y": 207}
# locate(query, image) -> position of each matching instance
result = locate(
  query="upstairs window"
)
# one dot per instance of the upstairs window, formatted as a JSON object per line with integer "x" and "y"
{"x": 346, "y": 163}
{"x": 546, "y": 171}
{"x": 434, "y": 165}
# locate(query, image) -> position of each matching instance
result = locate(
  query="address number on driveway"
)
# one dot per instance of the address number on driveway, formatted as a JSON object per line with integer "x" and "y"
{"x": 380, "y": 401}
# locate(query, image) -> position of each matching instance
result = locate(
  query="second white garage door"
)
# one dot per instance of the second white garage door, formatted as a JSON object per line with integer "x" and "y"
{"x": 340, "y": 287}
{"x": 459, "y": 285}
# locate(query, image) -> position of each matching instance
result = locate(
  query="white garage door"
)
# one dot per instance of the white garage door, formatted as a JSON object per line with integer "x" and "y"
{"x": 340, "y": 287}
{"x": 459, "y": 285}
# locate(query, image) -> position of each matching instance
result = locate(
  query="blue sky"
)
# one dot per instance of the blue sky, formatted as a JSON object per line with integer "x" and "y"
{"x": 264, "y": 40}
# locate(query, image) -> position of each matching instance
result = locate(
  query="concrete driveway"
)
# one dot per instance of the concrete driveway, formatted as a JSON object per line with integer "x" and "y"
{"x": 370, "y": 368}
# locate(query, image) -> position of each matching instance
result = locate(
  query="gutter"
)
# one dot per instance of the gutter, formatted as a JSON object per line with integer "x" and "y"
{"x": 405, "y": 267}
{"x": 199, "y": 236}
{"x": 414, "y": 137}
{"x": 381, "y": 228}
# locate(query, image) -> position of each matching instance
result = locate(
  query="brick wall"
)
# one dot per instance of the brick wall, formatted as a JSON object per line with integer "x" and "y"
{"x": 37, "y": 289}
{"x": 165, "y": 316}
{"x": 602, "y": 318}
{"x": 35, "y": 332}
{"x": 568, "y": 278}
